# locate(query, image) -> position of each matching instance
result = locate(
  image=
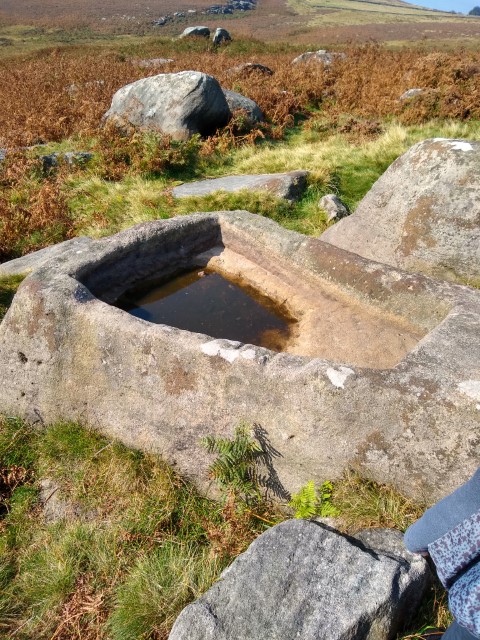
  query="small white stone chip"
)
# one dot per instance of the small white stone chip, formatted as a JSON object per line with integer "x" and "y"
{"x": 471, "y": 388}
{"x": 338, "y": 376}
{"x": 213, "y": 348}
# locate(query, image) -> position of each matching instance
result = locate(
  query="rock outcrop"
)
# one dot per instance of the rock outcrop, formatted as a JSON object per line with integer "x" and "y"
{"x": 382, "y": 372}
{"x": 177, "y": 104}
{"x": 289, "y": 186}
{"x": 422, "y": 214}
{"x": 236, "y": 101}
{"x": 301, "y": 580}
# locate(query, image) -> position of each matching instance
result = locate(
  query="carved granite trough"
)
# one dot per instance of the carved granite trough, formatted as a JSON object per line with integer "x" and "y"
{"x": 381, "y": 370}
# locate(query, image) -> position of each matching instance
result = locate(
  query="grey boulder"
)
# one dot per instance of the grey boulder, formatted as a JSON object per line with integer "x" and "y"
{"x": 423, "y": 214}
{"x": 302, "y": 580}
{"x": 334, "y": 207}
{"x": 202, "y": 32}
{"x": 288, "y": 186}
{"x": 236, "y": 102}
{"x": 177, "y": 104}
{"x": 221, "y": 35}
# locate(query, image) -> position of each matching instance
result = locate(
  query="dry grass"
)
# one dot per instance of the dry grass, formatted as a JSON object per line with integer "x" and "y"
{"x": 65, "y": 93}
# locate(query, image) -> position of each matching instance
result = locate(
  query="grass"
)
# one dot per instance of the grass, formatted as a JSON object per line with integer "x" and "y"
{"x": 125, "y": 543}
{"x": 129, "y": 545}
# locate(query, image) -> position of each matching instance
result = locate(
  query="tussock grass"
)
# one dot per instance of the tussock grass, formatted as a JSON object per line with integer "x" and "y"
{"x": 363, "y": 503}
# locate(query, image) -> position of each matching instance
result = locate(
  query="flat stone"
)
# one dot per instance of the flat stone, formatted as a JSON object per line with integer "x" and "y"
{"x": 153, "y": 62}
{"x": 289, "y": 186}
{"x": 320, "y": 57}
{"x": 422, "y": 214}
{"x": 248, "y": 68}
{"x": 411, "y": 93}
{"x": 301, "y": 580}
{"x": 381, "y": 372}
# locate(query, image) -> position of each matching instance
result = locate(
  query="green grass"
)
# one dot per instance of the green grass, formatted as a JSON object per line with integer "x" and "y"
{"x": 132, "y": 543}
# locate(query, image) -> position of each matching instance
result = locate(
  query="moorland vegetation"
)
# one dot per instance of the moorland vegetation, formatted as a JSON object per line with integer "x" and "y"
{"x": 108, "y": 564}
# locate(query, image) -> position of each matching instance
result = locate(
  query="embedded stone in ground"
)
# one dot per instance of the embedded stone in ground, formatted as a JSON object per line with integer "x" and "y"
{"x": 289, "y": 186}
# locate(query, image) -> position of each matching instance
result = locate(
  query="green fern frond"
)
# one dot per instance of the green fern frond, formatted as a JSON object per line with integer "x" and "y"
{"x": 234, "y": 467}
{"x": 306, "y": 502}
{"x": 310, "y": 502}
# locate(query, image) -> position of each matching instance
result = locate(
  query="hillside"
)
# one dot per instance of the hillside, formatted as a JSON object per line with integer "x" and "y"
{"x": 322, "y": 22}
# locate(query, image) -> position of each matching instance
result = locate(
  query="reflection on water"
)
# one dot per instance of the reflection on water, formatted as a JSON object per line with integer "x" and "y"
{"x": 205, "y": 302}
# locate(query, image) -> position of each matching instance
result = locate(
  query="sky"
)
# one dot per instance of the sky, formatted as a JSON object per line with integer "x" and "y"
{"x": 462, "y": 6}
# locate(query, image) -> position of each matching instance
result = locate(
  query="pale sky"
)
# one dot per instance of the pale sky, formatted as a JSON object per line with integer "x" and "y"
{"x": 461, "y": 6}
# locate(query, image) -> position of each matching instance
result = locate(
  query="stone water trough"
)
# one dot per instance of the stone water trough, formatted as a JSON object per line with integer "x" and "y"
{"x": 379, "y": 370}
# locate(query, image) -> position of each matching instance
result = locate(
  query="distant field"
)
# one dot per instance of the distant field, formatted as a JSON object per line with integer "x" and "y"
{"x": 322, "y": 22}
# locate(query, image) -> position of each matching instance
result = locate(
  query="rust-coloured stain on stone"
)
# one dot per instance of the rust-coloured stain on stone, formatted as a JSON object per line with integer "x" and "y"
{"x": 417, "y": 228}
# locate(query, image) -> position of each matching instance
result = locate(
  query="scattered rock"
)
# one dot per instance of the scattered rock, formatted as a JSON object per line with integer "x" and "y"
{"x": 289, "y": 186}
{"x": 154, "y": 62}
{"x": 221, "y": 35}
{"x": 52, "y": 160}
{"x": 422, "y": 214}
{"x": 322, "y": 56}
{"x": 411, "y": 93}
{"x": 301, "y": 580}
{"x": 236, "y": 101}
{"x": 250, "y": 67}
{"x": 199, "y": 32}
{"x": 178, "y": 104}
{"x": 334, "y": 207}
{"x": 162, "y": 21}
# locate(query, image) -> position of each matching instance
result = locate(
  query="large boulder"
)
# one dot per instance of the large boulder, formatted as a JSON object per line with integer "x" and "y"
{"x": 301, "y": 580}
{"x": 422, "y": 214}
{"x": 236, "y": 101}
{"x": 177, "y": 104}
